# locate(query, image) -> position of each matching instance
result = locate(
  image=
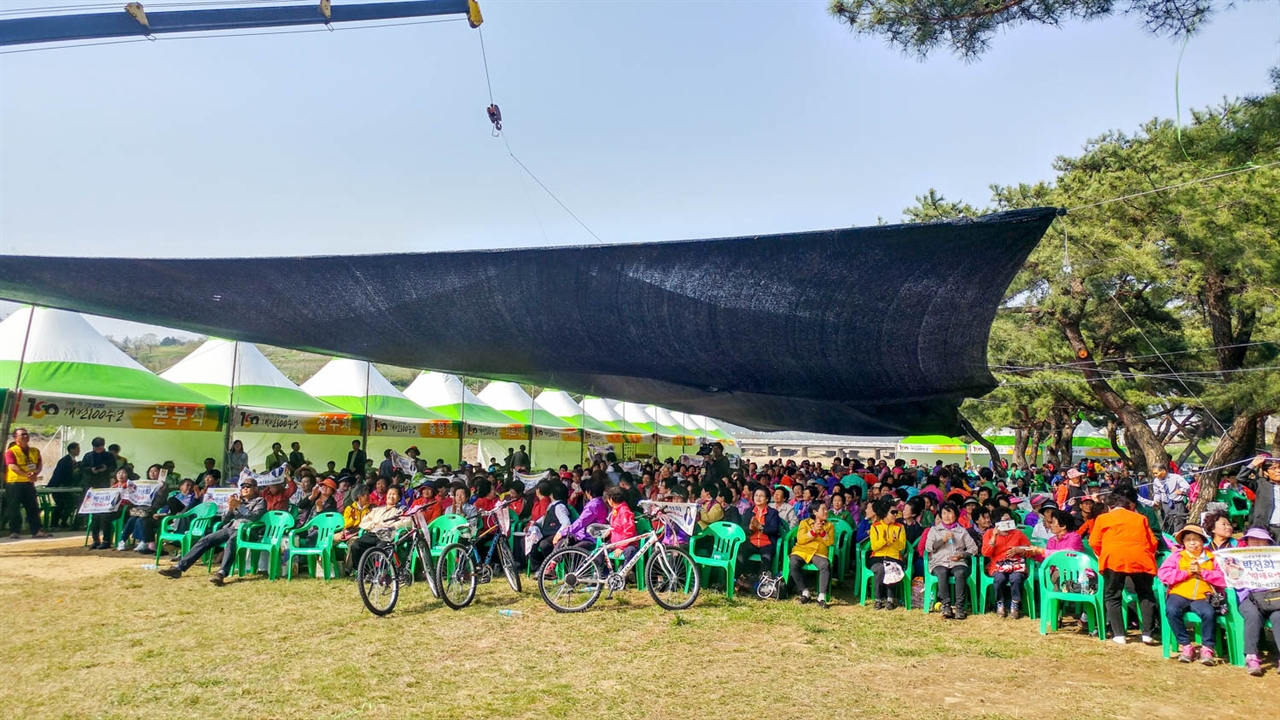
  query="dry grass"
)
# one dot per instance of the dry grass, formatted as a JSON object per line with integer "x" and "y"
{"x": 93, "y": 635}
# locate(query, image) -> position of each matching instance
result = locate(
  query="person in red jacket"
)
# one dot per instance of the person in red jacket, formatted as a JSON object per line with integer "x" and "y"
{"x": 1126, "y": 550}
{"x": 1005, "y": 551}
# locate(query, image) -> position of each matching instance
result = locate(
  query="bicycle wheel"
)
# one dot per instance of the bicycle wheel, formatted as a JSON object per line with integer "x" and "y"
{"x": 508, "y": 564}
{"x": 569, "y": 581}
{"x": 379, "y": 583}
{"x": 456, "y": 576}
{"x": 672, "y": 578}
{"x": 428, "y": 568}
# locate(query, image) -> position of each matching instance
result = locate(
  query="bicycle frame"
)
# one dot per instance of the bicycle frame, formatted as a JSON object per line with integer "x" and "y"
{"x": 647, "y": 542}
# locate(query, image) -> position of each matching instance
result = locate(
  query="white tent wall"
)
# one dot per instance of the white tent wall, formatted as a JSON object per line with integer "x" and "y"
{"x": 186, "y": 448}
{"x": 550, "y": 453}
{"x": 496, "y": 448}
{"x": 319, "y": 449}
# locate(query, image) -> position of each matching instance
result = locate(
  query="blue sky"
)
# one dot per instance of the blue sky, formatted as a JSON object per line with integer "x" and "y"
{"x": 651, "y": 120}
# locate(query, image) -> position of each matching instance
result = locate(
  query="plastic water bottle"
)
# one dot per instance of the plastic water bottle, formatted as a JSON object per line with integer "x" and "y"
{"x": 507, "y": 612}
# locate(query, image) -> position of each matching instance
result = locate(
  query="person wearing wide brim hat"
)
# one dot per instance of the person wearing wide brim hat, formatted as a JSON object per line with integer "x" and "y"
{"x": 1255, "y": 619}
{"x": 1191, "y": 576}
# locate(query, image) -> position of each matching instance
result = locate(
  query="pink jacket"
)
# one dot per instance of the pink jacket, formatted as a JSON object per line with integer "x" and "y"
{"x": 1178, "y": 581}
{"x": 622, "y": 526}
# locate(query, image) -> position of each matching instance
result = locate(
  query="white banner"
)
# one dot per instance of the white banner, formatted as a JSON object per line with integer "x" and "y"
{"x": 601, "y": 450}
{"x": 691, "y": 460}
{"x": 103, "y": 500}
{"x": 406, "y": 464}
{"x": 1250, "y": 567}
{"x": 141, "y": 493}
{"x": 531, "y": 481}
{"x": 632, "y": 466}
{"x": 275, "y": 477}
{"x": 219, "y": 497}
{"x": 684, "y": 515}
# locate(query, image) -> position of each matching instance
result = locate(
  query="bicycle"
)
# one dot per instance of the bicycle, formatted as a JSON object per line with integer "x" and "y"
{"x": 459, "y": 569}
{"x": 670, "y": 575}
{"x": 382, "y": 572}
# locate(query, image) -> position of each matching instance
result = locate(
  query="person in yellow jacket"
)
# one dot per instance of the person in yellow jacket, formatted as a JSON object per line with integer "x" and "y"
{"x": 354, "y": 513}
{"x": 888, "y": 541}
{"x": 22, "y": 468}
{"x": 813, "y": 545}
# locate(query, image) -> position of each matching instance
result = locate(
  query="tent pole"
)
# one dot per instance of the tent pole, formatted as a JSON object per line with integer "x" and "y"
{"x": 231, "y": 405}
{"x": 364, "y": 422}
{"x": 11, "y": 403}
{"x": 582, "y": 443}
{"x": 531, "y": 433}
{"x": 462, "y": 417}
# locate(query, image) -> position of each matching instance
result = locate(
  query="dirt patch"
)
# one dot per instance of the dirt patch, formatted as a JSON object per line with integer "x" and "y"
{"x": 62, "y": 557}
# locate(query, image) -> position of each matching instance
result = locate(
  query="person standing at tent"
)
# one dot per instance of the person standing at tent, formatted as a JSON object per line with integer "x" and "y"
{"x": 237, "y": 461}
{"x": 64, "y": 476}
{"x": 22, "y": 468}
{"x": 356, "y": 459}
{"x": 100, "y": 464}
{"x": 296, "y": 459}
{"x": 277, "y": 457}
{"x": 520, "y": 459}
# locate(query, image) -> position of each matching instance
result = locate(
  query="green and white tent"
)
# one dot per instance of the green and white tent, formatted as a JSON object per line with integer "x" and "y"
{"x": 930, "y": 448}
{"x": 674, "y": 440}
{"x": 268, "y": 407}
{"x": 555, "y": 441}
{"x": 602, "y": 411}
{"x": 394, "y": 421}
{"x": 75, "y": 378}
{"x": 491, "y": 430}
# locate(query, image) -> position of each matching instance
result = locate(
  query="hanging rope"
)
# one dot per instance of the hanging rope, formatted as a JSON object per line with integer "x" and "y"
{"x": 495, "y": 117}
{"x": 1176, "y": 186}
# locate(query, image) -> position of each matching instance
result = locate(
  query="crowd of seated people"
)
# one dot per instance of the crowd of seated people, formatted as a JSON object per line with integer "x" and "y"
{"x": 905, "y": 520}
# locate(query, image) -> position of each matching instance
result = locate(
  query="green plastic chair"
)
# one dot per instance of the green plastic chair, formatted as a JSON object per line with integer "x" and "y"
{"x": 325, "y": 525}
{"x": 117, "y": 529}
{"x": 274, "y": 525}
{"x": 1072, "y": 567}
{"x": 47, "y": 507}
{"x": 1238, "y": 507}
{"x": 931, "y": 586}
{"x": 842, "y": 548}
{"x": 868, "y": 577}
{"x": 728, "y": 537}
{"x": 1235, "y": 628}
{"x": 200, "y": 518}
{"x": 1227, "y": 647}
{"x": 987, "y": 584}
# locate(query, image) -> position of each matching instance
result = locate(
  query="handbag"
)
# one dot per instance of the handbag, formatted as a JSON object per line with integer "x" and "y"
{"x": 1267, "y": 601}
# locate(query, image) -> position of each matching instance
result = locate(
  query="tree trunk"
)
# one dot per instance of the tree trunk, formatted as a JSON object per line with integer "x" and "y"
{"x": 1236, "y": 444}
{"x": 1066, "y": 442}
{"x": 1137, "y": 434}
{"x": 1020, "y": 438}
{"x": 1193, "y": 444}
{"x": 1113, "y": 438}
{"x": 971, "y": 431}
{"x": 1037, "y": 437}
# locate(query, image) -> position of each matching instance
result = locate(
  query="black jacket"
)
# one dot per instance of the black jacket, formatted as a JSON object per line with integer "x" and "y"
{"x": 1264, "y": 503}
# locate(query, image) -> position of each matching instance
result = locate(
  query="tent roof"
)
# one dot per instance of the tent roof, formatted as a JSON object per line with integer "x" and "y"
{"x": 602, "y": 410}
{"x": 666, "y": 424}
{"x": 897, "y": 350}
{"x": 445, "y": 394}
{"x": 66, "y": 356}
{"x": 634, "y": 418}
{"x": 510, "y": 399}
{"x": 348, "y": 383}
{"x": 560, "y": 404}
{"x": 211, "y": 368}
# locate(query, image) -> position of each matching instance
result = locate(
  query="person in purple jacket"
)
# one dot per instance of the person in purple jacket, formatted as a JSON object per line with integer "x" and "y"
{"x": 595, "y": 511}
{"x": 1255, "y": 619}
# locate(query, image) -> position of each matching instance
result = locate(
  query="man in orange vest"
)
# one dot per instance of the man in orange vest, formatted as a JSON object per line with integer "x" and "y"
{"x": 22, "y": 468}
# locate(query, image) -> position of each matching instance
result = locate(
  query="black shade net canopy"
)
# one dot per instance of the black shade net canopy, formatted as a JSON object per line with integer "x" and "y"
{"x": 874, "y": 331}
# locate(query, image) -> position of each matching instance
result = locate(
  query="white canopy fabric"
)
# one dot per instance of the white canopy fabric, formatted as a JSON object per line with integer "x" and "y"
{"x": 558, "y": 403}
{"x": 602, "y": 410}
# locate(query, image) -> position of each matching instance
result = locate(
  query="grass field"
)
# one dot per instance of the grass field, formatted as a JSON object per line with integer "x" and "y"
{"x": 94, "y": 635}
